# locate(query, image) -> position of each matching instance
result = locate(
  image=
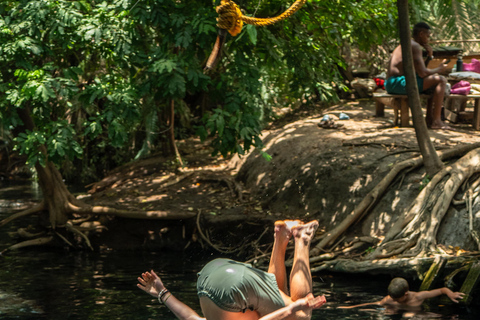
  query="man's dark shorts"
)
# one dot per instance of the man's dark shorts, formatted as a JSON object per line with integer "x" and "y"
{"x": 398, "y": 85}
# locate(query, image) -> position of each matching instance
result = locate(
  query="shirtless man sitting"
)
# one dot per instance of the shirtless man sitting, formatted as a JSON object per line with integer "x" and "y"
{"x": 231, "y": 290}
{"x": 426, "y": 78}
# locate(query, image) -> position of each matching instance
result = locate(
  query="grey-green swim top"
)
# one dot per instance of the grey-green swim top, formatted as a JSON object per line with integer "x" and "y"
{"x": 236, "y": 287}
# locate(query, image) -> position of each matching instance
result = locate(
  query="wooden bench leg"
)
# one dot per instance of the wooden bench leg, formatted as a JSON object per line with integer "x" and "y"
{"x": 476, "y": 114}
{"x": 379, "y": 109}
{"x": 396, "y": 104}
{"x": 404, "y": 113}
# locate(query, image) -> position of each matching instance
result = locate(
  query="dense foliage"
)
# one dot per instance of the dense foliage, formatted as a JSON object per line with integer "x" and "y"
{"x": 99, "y": 77}
{"x": 451, "y": 20}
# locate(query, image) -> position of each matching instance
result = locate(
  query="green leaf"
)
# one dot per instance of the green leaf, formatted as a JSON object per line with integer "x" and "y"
{"x": 164, "y": 65}
{"x": 45, "y": 92}
{"x": 252, "y": 33}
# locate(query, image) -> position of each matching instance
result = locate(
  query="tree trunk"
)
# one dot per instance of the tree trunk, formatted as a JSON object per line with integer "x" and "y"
{"x": 430, "y": 158}
{"x": 55, "y": 193}
{"x": 173, "y": 144}
{"x": 56, "y": 196}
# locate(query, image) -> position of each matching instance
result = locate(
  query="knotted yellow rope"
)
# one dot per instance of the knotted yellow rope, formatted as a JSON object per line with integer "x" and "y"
{"x": 231, "y": 17}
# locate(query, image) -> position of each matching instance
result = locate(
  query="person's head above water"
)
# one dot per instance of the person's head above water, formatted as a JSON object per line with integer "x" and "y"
{"x": 397, "y": 288}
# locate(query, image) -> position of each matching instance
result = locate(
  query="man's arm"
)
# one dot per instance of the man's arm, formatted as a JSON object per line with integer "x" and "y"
{"x": 180, "y": 309}
{"x": 305, "y": 304}
{"x": 419, "y": 64}
{"x": 385, "y": 301}
{"x": 454, "y": 296}
{"x": 360, "y": 305}
{"x": 153, "y": 285}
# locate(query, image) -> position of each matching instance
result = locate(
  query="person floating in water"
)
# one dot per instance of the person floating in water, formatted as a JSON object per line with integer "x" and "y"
{"x": 232, "y": 290}
{"x": 400, "y": 296}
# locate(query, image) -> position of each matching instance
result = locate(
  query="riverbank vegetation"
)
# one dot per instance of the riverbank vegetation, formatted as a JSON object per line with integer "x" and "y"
{"x": 111, "y": 94}
{"x": 89, "y": 86}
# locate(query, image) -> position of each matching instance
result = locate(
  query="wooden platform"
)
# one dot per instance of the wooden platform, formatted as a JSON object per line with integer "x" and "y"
{"x": 454, "y": 107}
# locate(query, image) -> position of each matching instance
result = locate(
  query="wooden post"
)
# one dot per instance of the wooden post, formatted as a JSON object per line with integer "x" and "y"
{"x": 379, "y": 109}
{"x": 476, "y": 114}
{"x": 433, "y": 273}
{"x": 397, "y": 105}
{"x": 470, "y": 282}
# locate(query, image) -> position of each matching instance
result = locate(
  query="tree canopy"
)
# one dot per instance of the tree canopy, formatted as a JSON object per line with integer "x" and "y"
{"x": 98, "y": 77}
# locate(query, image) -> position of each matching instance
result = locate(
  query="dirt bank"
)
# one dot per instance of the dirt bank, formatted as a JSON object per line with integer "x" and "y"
{"x": 315, "y": 173}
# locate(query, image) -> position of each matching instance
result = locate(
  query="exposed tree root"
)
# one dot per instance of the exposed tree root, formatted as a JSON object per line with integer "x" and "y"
{"x": 100, "y": 210}
{"x": 83, "y": 209}
{"x": 75, "y": 206}
{"x": 29, "y": 243}
{"x": 234, "y": 187}
{"x": 207, "y": 240}
{"x": 406, "y": 267}
{"x": 375, "y": 194}
{"x": 64, "y": 239}
{"x": 471, "y": 228}
{"x": 449, "y": 278}
{"x": 33, "y": 210}
{"x": 73, "y": 229}
{"x": 366, "y": 204}
{"x": 24, "y": 233}
{"x": 429, "y": 208}
{"x": 396, "y": 247}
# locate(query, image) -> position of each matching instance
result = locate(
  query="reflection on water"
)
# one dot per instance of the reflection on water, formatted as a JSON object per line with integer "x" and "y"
{"x": 15, "y": 194}
{"x": 36, "y": 284}
{"x": 91, "y": 286}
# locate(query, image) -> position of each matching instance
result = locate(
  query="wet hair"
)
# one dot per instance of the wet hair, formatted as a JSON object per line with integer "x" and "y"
{"x": 397, "y": 288}
{"x": 420, "y": 26}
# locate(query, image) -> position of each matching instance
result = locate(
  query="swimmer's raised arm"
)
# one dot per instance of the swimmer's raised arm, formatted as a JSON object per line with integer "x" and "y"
{"x": 153, "y": 285}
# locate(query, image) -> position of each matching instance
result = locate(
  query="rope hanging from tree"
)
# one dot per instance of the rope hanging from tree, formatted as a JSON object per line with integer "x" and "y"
{"x": 231, "y": 19}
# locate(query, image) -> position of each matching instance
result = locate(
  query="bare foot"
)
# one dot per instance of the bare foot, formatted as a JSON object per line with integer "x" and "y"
{"x": 440, "y": 125}
{"x": 445, "y": 127}
{"x": 305, "y": 231}
{"x": 283, "y": 228}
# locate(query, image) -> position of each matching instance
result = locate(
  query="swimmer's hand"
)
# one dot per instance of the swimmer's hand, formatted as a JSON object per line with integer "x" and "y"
{"x": 309, "y": 302}
{"x": 300, "y": 306}
{"x": 455, "y": 296}
{"x": 150, "y": 283}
